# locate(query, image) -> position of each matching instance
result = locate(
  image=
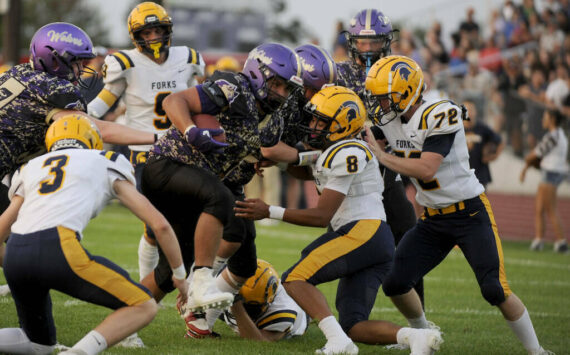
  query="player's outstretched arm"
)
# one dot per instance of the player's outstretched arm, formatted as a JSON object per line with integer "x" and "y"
{"x": 248, "y": 330}
{"x": 114, "y": 133}
{"x": 320, "y": 216}
{"x": 143, "y": 209}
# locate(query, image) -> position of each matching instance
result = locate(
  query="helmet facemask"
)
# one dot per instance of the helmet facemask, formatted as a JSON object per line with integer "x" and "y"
{"x": 378, "y": 47}
{"x": 382, "y": 108}
{"x": 156, "y": 46}
{"x": 274, "y": 83}
{"x": 318, "y": 137}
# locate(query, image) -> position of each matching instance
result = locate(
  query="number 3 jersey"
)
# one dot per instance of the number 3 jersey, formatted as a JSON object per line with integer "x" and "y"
{"x": 350, "y": 168}
{"x": 437, "y": 126}
{"x": 144, "y": 84}
{"x": 66, "y": 188}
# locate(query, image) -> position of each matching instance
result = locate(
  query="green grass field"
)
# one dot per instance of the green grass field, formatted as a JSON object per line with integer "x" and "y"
{"x": 470, "y": 325}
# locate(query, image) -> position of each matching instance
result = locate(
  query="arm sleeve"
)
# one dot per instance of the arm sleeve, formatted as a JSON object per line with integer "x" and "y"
{"x": 119, "y": 168}
{"x": 278, "y": 321}
{"x": 547, "y": 143}
{"x": 17, "y": 184}
{"x": 208, "y": 105}
{"x": 440, "y": 144}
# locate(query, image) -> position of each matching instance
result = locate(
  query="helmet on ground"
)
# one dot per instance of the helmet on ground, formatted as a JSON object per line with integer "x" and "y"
{"x": 270, "y": 62}
{"x": 73, "y": 131}
{"x": 319, "y": 69}
{"x": 57, "y": 47}
{"x": 372, "y": 26}
{"x": 396, "y": 80}
{"x": 338, "y": 113}
{"x": 147, "y": 15}
{"x": 259, "y": 290}
{"x": 228, "y": 63}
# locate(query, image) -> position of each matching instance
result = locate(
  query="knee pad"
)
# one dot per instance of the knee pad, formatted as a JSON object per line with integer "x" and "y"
{"x": 393, "y": 286}
{"x": 493, "y": 292}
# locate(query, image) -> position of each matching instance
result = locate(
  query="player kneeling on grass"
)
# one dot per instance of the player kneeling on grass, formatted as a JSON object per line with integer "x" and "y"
{"x": 359, "y": 247}
{"x": 263, "y": 310}
{"x": 53, "y": 198}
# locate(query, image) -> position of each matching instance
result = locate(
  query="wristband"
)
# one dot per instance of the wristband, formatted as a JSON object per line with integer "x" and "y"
{"x": 308, "y": 157}
{"x": 188, "y": 128}
{"x": 276, "y": 212}
{"x": 179, "y": 273}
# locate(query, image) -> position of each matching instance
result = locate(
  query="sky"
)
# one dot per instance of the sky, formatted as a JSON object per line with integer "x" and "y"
{"x": 320, "y": 16}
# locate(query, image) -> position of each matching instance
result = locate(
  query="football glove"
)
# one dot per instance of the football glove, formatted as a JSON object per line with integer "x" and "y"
{"x": 201, "y": 138}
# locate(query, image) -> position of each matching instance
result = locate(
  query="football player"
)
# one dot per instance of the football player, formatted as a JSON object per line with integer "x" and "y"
{"x": 46, "y": 219}
{"x": 183, "y": 174}
{"x": 279, "y": 134}
{"x": 369, "y": 37}
{"x": 359, "y": 248}
{"x": 429, "y": 146}
{"x": 263, "y": 310}
{"x": 144, "y": 76}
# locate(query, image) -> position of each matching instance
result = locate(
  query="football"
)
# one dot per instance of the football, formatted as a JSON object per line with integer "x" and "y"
{"x": 203, "y": 120}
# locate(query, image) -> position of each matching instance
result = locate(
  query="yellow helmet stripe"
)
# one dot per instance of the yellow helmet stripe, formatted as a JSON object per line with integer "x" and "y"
{"x": 416, "y": 94}
{"x": 367, "y": 25}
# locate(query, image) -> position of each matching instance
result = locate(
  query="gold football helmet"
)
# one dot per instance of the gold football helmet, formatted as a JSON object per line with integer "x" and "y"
{"x": 73, "y": 131}
{"x": 394, "y": 84}
{"x": 228, "y": 63}
{"x": 259, "y": 290}
{"x": 338, "y": 113}
{"x": 147, "y": 15}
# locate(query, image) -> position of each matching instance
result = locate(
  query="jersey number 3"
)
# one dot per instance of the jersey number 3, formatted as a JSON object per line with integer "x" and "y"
{"x": 163, "y": 122}
{"x": 57, "y": 163}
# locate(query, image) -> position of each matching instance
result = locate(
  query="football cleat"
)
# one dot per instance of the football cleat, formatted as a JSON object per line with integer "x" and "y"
{"x": 424, "y": 341}
{"x": 331, "y": 348}
{"x": 4, "y": 290}
{"x": 132, "y": 341}
{"x": 561, "y": 246}
{"x": 540, "y": 351}
{"x": 203, "y": 294}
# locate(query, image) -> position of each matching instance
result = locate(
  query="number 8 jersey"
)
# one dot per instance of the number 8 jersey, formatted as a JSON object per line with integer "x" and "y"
{"x": 144, "y": 84}
{"x": 436, "y": 126}
{"x": 350, "y": 168}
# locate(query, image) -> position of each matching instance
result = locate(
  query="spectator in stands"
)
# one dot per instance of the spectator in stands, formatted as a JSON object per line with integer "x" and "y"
{"x": 552, "y": 38}
{"x": 435, "y": 45}
{"x": 552, "y": 155}
{"x": 558, "y": 89}
{"x": 484, "y": 144}
{"x": 534, "y": 94}
{"x": 513, "y": 104}
{"x": 470, "y": 28}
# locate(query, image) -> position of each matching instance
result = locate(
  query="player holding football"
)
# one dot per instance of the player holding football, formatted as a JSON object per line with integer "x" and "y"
{"x": 429, "y": 146}
{"x": 183, "y": 174}
{"x": 279, "y": 134}
{"x": 144, "y": 76}
{"x": 53, "y": 198}
{"x": 369, "y": 38}
{"x": 359, "y": 248}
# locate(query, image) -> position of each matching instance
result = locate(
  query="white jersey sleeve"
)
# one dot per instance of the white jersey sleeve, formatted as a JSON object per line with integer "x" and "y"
{"x": 16, "y": 187}
{"x": 114, "y": 73}
{"x": 345, "y": 163}
{"x": 442, "y": 117}
{"x": 119, "y": 168}
{"x": 283, "y": 315}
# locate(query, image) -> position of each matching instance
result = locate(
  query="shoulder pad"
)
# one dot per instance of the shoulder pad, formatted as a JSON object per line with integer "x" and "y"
{"x": 112, "y": 156}
{"x": 194, "y": 56}
{"x": 123, "y": 59}
{"x": 222, "y": 88}
{"x": 441, "y": 117}
{"x": 347, "y": 158}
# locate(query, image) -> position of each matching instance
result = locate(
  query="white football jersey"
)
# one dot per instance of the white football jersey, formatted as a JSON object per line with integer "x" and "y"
{"x": 144, "y": 84}
{"x": 284, "y": 315}
{"x": 350, "y": 168}
{"x": 553, "y": 149}
{"x": 454, "y": 181}
{"x": 66, "y": 188}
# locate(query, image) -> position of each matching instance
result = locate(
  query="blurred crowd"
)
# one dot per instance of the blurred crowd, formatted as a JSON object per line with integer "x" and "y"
{"x": 512, "y": 67}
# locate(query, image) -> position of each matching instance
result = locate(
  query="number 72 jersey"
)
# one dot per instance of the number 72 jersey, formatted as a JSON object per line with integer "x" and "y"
{"x": 454, "y": 181}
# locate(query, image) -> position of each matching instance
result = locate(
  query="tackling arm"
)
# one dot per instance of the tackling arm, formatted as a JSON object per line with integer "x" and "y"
{"x": 179, "y": 105}
{"x": 320, "y": 216}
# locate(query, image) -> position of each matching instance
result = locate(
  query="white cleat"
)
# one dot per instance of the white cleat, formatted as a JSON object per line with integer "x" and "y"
{"x": 132, "y": 341}
{"x": 203, "y": 294}
{"x": 4, "y": 290}
{"x": 540, "y": 351}
{"x": 331, "y": 348}
{"x": 424, "y": 341}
